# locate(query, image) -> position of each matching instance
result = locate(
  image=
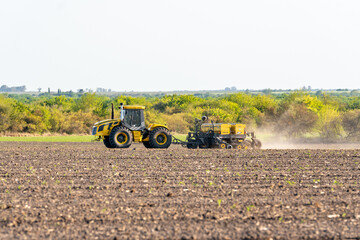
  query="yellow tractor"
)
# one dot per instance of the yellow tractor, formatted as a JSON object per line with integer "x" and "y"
{"x": 129, "y": 128}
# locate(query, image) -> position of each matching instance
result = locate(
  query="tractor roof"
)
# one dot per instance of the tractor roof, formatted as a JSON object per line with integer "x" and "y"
{"x": 133, "y": 107}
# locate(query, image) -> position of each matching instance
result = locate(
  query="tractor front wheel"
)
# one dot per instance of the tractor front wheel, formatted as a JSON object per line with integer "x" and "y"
{"x": 120, "y": 137}
{"x": 160, "y": 138}
{"x": 107, "y": 143}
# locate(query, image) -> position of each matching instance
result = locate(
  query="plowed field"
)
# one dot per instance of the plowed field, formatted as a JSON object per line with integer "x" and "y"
{"x": 83, "y": 190}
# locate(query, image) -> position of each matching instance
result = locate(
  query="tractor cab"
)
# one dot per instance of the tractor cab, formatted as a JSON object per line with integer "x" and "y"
{"x": 133, "y": 117}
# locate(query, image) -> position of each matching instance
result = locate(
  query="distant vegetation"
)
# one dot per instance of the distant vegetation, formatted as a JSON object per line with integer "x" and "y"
{"x": 5, "y": 88}
{"x": 295, "y": 114}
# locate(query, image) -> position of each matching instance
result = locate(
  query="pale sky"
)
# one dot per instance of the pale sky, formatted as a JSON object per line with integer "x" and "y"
{"x": 179, "y": 45}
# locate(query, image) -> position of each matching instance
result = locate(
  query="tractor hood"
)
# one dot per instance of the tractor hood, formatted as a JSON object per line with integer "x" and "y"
{"x": 104, "y": 127}
{"x": 106, "y": 121}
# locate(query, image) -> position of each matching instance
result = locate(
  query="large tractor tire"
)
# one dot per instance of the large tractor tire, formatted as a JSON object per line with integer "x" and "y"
{"x": 107, "y": 143}
{"x": 160, "y": 138}
{"x": 120, "y": 137}
{"x": 147, "y": 144}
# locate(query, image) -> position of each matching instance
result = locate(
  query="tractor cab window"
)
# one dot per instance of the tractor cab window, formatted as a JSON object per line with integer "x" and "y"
{"x": 133, "y": 117}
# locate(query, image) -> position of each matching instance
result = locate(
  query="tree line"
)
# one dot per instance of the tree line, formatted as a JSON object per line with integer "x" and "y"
{"x": 295, "y": 114}
{"x": 5, "y": 88}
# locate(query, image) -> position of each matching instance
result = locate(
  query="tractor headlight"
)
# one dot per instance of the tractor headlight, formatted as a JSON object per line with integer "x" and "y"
{"x": 94, "y": 130}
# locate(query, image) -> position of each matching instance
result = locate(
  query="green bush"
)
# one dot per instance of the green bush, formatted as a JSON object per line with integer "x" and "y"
{"x": 351, "y": 124}
{"x": 5, "y": 111}
{"x": 296, "y": 121}
{"x": 329, "y": 123}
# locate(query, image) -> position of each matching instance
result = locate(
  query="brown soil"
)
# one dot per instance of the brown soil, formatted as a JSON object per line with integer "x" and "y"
{"x": 83, "y": 190}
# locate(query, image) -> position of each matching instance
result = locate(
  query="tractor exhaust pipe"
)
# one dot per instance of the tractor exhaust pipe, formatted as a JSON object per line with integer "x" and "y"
{"x": 122, "y": 113}
{"x": 112, "y": 111}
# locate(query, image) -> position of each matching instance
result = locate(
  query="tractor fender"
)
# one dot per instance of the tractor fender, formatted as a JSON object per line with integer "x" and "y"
{"x": 150, "y": 129}
{"x": 153, "y": 126}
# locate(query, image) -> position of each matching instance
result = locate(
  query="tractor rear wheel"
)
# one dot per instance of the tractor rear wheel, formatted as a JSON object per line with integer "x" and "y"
{"x": 160, "y": 138}
{"x": 107, "y": 142}
{"x": 120, "y": 137}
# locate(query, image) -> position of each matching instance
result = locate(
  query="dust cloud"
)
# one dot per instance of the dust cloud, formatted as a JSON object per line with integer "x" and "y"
{"x": 277, "y": 141}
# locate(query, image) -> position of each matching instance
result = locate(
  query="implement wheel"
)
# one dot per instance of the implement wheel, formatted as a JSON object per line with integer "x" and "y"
{"x": 204, "y": 145}
{"x": 160, "y": 138}
{"x": 256, "y": 144}
{"x": 223, "y": 145}
{"x": 246, "y": 144}
{"x": 107, "y": 143}
{"x": 120, "y": 137}
{"x": 191, "y": 145}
